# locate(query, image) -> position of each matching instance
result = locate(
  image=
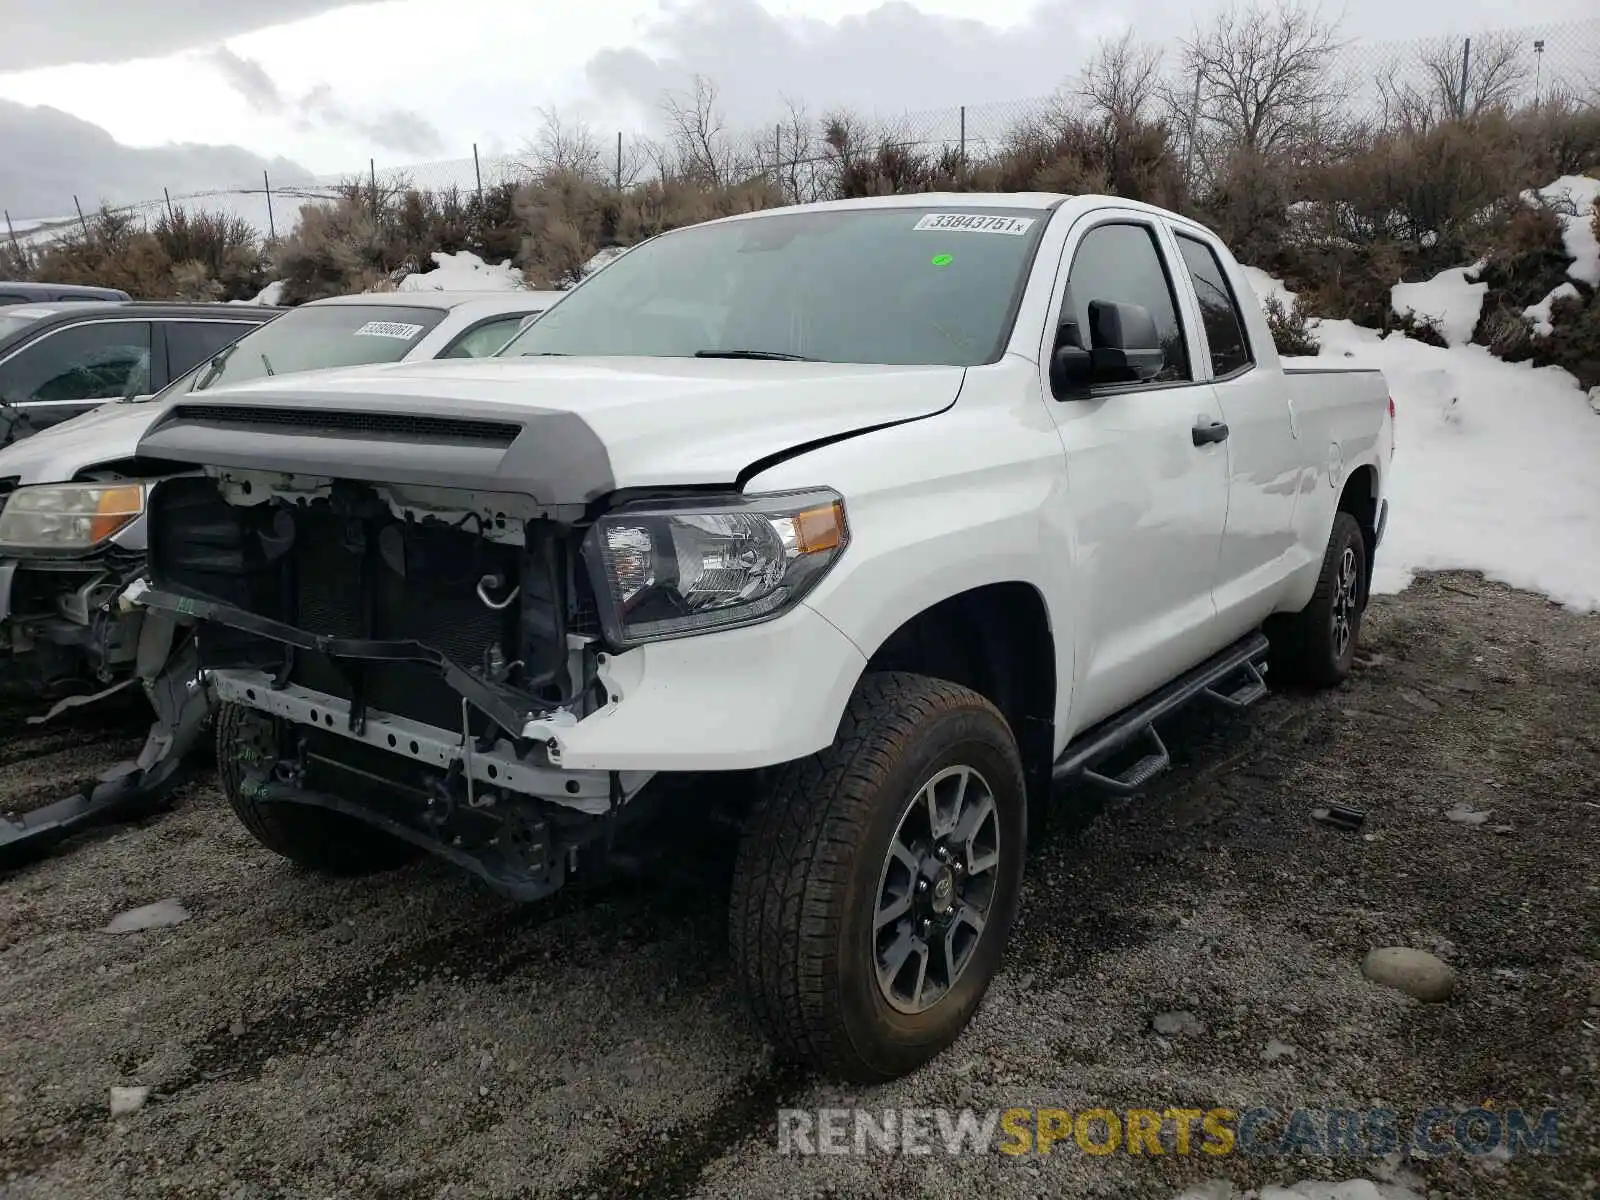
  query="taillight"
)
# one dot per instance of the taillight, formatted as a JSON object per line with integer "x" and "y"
{"x": 1391, "y": 427}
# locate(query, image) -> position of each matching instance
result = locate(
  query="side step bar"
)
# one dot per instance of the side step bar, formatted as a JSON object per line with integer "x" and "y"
{"x": 1233, "y": 678}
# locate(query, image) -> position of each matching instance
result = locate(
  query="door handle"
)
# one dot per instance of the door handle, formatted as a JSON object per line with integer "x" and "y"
{"x": 1208, "y": 432}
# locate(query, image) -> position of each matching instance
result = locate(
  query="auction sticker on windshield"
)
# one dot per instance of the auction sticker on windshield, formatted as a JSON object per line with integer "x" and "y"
{"x": 975, "y": 223}
{"x": 389, "y": 329}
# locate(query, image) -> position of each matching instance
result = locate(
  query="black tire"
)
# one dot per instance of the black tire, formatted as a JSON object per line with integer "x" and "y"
{"x": 812, "y": 868}
{"x": 317, "y": 839}
{"x": 1306, "y": 646}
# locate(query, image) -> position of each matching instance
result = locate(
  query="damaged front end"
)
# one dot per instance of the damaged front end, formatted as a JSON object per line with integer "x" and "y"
{"x": 398, "y": 647}
{"x": 63, "y": 565}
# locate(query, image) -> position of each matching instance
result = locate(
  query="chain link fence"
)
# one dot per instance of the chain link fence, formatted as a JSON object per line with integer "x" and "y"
{"x": 1367, "y": 85}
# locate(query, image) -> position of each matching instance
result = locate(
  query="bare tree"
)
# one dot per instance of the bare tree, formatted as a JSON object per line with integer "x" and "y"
{"x": 1264, "y": 78}
{"x": 796, "y": 160}
{"x": 697, "y": 133}
{"x": 1121, "y": 81}
{"x": 1494, "y": 70}
{"x": 564, "y": 147}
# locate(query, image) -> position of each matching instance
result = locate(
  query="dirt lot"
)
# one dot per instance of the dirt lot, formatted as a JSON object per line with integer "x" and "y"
{"x": 412, "y": 1036}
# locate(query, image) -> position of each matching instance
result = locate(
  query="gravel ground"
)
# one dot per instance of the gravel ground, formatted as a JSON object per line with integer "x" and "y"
{"x": 412, "y": 1036}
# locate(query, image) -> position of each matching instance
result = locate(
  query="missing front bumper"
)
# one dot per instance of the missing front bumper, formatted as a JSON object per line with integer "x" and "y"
{"x": 434, "y": 748}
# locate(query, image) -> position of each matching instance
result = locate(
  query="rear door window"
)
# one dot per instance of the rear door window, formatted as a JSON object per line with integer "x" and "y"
{"x": 190, "y": 343}
{"x": 1219, "y": 308}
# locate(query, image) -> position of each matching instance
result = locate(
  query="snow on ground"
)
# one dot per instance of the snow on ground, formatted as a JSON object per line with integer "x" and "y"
{"x": 271, "y": 294}
{"x": 463, "y": 272}
{"x": 1264, "y": 285}
{"x": 1540, "y": 313}
{"x": 1578, "y": 234}
{"x": 1496, "y": 467}
{"x": 1451, "y": 299}
{"x": 1308, "y": 1189}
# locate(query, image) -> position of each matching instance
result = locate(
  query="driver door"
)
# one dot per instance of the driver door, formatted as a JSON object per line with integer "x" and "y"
{"x": 1148, "y": 496}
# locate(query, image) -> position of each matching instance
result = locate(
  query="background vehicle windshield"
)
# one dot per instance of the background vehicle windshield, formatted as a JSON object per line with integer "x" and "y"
{"x": 12, "y": 323}
{"x": 902, "y": 286}
{"x": 314, "y": 338}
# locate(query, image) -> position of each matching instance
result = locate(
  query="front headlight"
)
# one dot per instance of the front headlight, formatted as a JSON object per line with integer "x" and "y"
{"x": 69, "y": 516}
{"x": 670, "y": 571}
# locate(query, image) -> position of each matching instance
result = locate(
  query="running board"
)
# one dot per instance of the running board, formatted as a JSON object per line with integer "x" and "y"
{"x": 1233, "y": 678}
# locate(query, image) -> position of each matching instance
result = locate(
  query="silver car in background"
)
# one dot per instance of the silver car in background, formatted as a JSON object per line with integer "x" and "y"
{"x": 72, "y": 530}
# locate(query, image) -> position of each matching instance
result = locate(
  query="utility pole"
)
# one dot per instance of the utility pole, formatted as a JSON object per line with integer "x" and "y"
{"x": 1466, "y": 65}
{"x": 1538, "y": 70}
{"x": 272, "y": 225}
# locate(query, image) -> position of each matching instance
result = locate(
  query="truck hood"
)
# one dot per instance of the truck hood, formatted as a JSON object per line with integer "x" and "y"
{"x": 56, "y": 454}
{"x": 577, "y": 427}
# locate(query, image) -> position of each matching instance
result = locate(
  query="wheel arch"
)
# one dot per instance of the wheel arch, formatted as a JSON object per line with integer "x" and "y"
{"x": 995, "y": 638}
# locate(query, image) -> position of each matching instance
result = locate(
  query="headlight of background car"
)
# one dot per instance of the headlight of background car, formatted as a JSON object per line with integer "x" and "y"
{"x": 675, "y": 570}
{"x": 73, "y": 516}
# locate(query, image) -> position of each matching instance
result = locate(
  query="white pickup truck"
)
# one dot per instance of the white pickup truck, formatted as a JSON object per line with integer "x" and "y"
{"x": 909, "y": 507}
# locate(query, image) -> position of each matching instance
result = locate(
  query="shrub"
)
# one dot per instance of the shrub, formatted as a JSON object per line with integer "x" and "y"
{"x": 225, "y": 251}
{"x": 1290, "y": 333}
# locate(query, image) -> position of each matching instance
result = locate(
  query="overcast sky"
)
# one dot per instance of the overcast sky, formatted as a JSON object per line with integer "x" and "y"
{"x": 327, "y": 84}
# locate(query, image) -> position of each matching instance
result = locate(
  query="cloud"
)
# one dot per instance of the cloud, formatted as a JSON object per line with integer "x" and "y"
{"x": 50, "y": 156}
{"x": 401, "y": 130}
{"x": 896, "y": 58}
{"x": 49, "y": 33}
{"x": 892, "y": 58}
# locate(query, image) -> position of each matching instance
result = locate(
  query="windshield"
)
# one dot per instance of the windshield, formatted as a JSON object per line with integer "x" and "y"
{"x": 14, "y": 323}
{"x": 904, "y": 286}
{"x": 311, "y": 339}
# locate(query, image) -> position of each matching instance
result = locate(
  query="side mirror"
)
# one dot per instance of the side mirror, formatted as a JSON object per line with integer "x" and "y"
{"x": 1071, "y": 367}
{"x": 1124, "y": 345}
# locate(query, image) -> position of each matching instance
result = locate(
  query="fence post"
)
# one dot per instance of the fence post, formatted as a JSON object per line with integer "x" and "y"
{"x": 1466, "y": 63}
{"x": 15, "y": 248}
{"x": 963, "y": 137}
{"x": 171, "y": 216}
{"x": 477, "y": 171}
{"x": 619, "y": 160}
{"x": 81, "y": 221}
{"x": 272, "y": 225}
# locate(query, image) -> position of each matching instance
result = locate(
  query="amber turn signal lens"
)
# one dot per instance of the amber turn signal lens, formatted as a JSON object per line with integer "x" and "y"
{"x": 115, "y": 508}
{"x": 818, "y": 529}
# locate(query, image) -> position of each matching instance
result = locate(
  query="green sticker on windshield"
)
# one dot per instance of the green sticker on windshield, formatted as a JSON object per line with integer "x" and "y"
{"x": 941, "y": 260}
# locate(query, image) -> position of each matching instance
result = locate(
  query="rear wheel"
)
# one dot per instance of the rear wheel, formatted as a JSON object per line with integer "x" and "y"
{"x": 1317, "y": 645}
{"x": 318, "y": 839}
{"x": 878, "y": 879}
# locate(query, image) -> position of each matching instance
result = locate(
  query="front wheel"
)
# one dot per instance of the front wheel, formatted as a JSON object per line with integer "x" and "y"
{"x": 1317, "y": 645}
{"x": 878, "y": 879}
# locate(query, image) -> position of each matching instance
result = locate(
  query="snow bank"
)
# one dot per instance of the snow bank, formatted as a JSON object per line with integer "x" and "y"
{"x": 1264, "y": 285}
{"x": 271, "y": 294}
{"x": 1540, "y": 313}
{"x": 1496, "y": 467}
{"x": 601, "y": 259}
{"x": 463, "y": 272}
{"x": 1577, "y": 236}
{"x": 1451, "y": 299}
